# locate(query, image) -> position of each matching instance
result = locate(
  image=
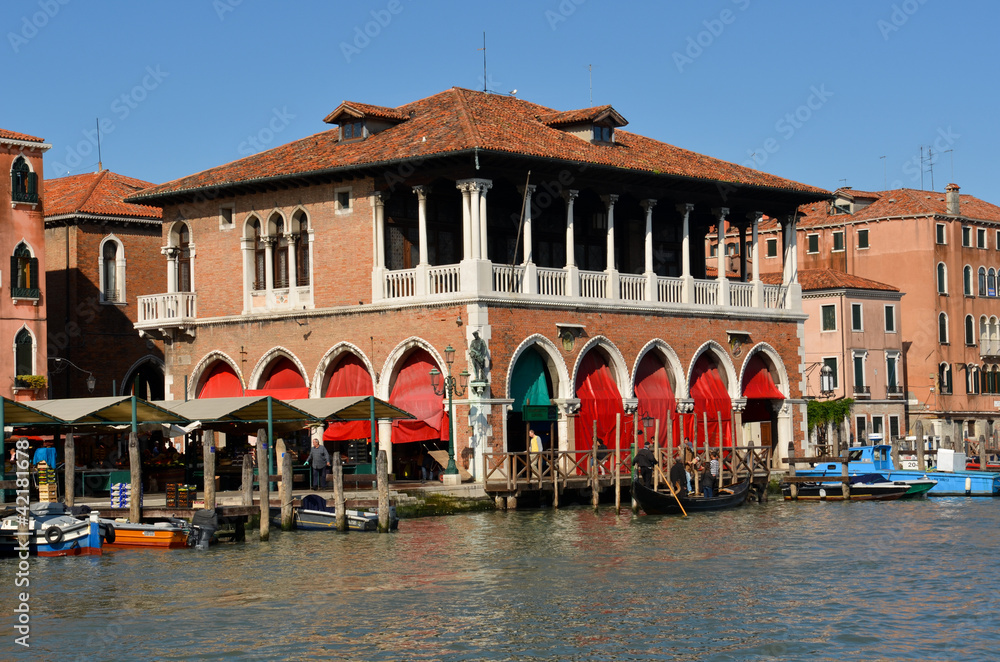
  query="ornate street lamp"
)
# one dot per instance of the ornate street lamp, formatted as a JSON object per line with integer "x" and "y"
{"x": 61, "y": 364}
{"x": 450, "y": 386}
{"x": 647, "y": 424}
{"x": 826, "y": 380}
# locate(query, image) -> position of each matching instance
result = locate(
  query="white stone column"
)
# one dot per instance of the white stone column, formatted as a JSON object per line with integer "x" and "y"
{"x": 572, "y": 271}
{"x": 171, "y": 253}
{"x": 293, "y": 281}
{"x": 687, "y": 281}
{"x": 529, "y": 284}
{"x": 611, "y": 267}
{"x": 794, "y": 298}
{"x": 484, "y": 186}
{"x": 463, "y": 186}
{"x": 475, "y": 244}
{"x": 249, "y": 272}
{"x": 378, "y": 203}
{"x": 758, "y": 287}
{"x": 651, "y": 285}
{"x": 720, "y": 214}
{"x": 422, "y": 192}
{"x": 268, "y": 269}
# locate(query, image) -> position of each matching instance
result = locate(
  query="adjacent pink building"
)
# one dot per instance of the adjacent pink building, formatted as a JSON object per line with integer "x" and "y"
{"x": 943, "y": 251}
{"x": 22, "y": 238}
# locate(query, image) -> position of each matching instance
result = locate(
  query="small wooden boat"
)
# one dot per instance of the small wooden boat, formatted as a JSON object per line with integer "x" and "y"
{"x": 867, "y": 487}
{"x": 54, "y": 531}
{"x": 315, "y": 515}
{"x": 660, "y": 502}
{"x": 158, "y": 535}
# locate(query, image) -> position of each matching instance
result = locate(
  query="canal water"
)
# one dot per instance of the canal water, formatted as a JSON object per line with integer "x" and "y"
{"x": 779, "y": 581}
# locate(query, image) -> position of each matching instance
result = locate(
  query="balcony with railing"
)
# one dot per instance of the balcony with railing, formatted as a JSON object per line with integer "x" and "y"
{"x": 172, "y": 310}
{"x": 558, "y": 284}
{"x": 862, "y": 392}
{"x": 989, "y": 347}
{"x": 894, "y": 391}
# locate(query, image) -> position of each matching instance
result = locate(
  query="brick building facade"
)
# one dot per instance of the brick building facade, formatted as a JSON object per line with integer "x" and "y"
{"x": 102, "y": 255}
{"x": 22, "y": 305}
{"x": 345, "y": 264}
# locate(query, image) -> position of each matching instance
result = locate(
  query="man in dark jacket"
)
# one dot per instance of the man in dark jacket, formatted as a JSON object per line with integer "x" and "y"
{"x": 319, "y": 462}
{"x": 678, "y": 477}
{"x": 645, "y": 460}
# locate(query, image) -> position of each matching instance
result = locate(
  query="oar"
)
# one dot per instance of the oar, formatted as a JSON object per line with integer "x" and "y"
{"x": 674, "y": 494}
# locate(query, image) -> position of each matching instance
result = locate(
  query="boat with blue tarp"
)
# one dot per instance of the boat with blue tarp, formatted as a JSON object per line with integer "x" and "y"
{"x": 878, "y": 459}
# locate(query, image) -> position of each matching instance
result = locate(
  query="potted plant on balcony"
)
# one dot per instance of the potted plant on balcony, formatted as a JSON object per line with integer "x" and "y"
{"x": 32, "y": 386}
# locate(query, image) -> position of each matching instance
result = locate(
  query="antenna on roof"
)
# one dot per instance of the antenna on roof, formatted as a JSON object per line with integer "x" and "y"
{"x": 921, "y": 167}
{"x": 930, "y": 165}
{"x": 885, "y": 176}
{"x": 952, "y": 152}
{"x": 100, "y": 166}
{"x": 483, "y": 49}
{"x": 590, "y": 70}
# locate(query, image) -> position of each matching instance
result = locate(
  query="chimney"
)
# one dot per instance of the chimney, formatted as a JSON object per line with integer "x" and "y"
{"x": 952, "y": 207}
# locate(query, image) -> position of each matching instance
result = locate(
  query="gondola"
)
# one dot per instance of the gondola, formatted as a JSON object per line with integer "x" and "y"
{"x": 660, "y": 502}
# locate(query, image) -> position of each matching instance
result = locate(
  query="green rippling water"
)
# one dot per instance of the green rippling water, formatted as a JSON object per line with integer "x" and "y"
{"x": 818, "y": 581}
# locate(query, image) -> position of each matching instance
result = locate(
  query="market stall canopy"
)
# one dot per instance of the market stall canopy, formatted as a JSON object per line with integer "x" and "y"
{"x": 223, "y": 412}
{"x": 348, "y": 408}
{"x": 108, "y": 410}
{"x": 18, "y": 414}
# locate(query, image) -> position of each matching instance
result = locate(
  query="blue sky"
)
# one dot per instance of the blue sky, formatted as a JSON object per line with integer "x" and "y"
{"x": 816, "y": 92}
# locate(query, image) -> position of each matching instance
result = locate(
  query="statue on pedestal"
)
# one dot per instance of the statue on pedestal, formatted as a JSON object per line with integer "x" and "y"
{"x": 479, "y": 356}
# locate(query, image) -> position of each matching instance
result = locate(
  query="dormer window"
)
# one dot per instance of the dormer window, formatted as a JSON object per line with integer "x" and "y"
{"x": 603, "y": 134}
{"x": 352, "y": 130}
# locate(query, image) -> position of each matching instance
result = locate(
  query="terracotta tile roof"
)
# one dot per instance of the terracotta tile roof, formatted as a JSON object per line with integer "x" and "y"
{"x": 459, "y": 120}
{"x": 583, "y": 115}
{"x": 14, "y": 135}
{"x": 100, "y": 193}
{"x": 855, "y": 194}
{"x": 355, "y": 109}
{"x": 830, "y": 279}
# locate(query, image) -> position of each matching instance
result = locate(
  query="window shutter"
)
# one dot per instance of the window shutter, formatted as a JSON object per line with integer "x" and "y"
{"x": 13, "y": 272}
{"x": 33, "y": 275}
{"x": 33, "y": 186}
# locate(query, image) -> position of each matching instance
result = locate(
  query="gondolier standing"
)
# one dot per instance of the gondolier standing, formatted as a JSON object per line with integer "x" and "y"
{"x": 319, "y": 461}
{"x": 645, "y": 460}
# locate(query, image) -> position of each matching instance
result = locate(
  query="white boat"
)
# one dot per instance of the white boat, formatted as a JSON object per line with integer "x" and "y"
{"x": 54, "y": 531}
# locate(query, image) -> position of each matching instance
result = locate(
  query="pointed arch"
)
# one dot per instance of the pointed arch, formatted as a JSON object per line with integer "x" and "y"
{"x": 217, "y": 375}
{"x": 553, "y": 360}
{"x": 111, "y": 269}
{"x": 598, "y": 378}
{"x": 407, "y": 384}
{"x": 711, "y": 385}
{"x": 617, "y": 362}
{"x": 656, "y": 379}
{"x": 279, "y": 373}
{"x": 776, "y": 366}
{"x": 147, "y": 375}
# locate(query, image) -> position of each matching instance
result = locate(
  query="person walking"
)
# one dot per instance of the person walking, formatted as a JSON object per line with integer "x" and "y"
{"x": 535, "y": 452}
{"x": 319, "y": 462}
{"x": 645, "y": 460}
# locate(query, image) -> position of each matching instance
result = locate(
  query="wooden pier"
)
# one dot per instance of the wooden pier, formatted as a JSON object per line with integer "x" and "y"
{"x": 508, "y": 476}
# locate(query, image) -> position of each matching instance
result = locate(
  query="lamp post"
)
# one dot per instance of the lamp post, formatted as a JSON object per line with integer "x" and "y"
{"x": 826, "y": 380}
{"x": 450, "y": 386}
{"x": 61, "y": 364}
{"x": 647, "y": 424}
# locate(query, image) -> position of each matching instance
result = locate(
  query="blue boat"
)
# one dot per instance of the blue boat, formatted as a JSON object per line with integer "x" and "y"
{"x": 54, "y": 531}
{"x": 878, "y": 459}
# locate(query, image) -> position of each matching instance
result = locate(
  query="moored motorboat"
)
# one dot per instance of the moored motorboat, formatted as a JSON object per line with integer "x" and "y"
{"x": 866, "y": 487}
{"x": 54, "y": 531}
{"x": 662, "y": 502}
{"x": 158, "y": 535}
{"x": 314, "y": 515}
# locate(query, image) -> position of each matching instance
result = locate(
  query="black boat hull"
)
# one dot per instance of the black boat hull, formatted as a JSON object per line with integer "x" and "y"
{"x": 663, "y": 503}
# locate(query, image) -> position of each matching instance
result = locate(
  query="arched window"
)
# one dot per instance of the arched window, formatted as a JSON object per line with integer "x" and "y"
{"x": 982, "y": 281}
{"x": 944, "y": 378}
{"x": 942, "y": 278}
{"x": 184, "y": 279}
{"x": 24, "y": 355}
{"x": 112, "y": 270}
{"x": 967, "y": 281}
{"x": 301, "y": 229}
{"x": 259, "y": 256}
{"x": 991, "y": 282}
{"x": 24, "y": 282}
{"x": 23, "y": 182}
{"x": 971, "y": 379}
{"x": 970, "y": 330}
{"x": 279, "y": 252}
{"x": 943, "y": 328}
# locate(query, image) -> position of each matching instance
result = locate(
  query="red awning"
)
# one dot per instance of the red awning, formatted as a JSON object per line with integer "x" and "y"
{"x": 760, "y": 390}
{"x": 656, "y": 397}
{"x": 349, "y": 378}
{"x": 712, "y": 399}
{"x": 220, "y": 382}
{"x": 284, "y": 381}
{"x": 412, "y": 392}
{"x": 600, "y": 400}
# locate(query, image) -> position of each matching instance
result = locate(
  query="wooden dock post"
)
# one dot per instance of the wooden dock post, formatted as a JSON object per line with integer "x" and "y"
{"x": 843, "y": 472}
{"x": 595, "y": 472}
{"x": 382, "y": 478}
{"x": 894, "y": 454}
{"x": 618, "y": 461}
{"x": 793, "y": 487}
{"x": 285, "y": 493}
{"x": 264, "y": 483}
{"x": 635, "y": 449}
{"x": 554, "y": 468}
{"x": 918, "y": 430}
{"x": 338, "y": 494}
{"x": 670, "y": 442}
{"x": 135, "y": 471}
{"x": 656, "y": 452}
{"x": 246, "y": 486}
{"x": 208, "y": 455}
{"x": 69, "y": 454}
